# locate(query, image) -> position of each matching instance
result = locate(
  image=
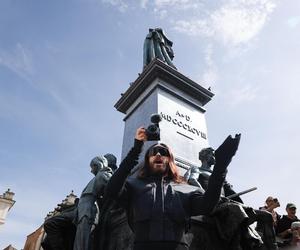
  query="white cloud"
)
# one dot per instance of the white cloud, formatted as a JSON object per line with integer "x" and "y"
{"x": 194, "y": 28}
{"x": 19, "y": 61}
{"x": 293, "y": 22}
{"x": 160, "y": 13}
{"x": 172, "y": 8}
{"x": 143, "y": 3}
{"x": 177, "y": 4}
{"x": 120, "y": 4}
{"x": 160, "y": 7}
{"x": 233, "y": 23}
{"x": 246, "y": 93}
{"x": 238, "y": 23}
{"x": 210, "y": 76}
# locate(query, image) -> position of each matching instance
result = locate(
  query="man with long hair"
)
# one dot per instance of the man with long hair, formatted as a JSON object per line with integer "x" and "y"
{"x": 158, "y": 201}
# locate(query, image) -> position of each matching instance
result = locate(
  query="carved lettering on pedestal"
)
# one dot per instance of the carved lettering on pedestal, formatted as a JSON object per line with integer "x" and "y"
{"x": 187, "y": 118}
{"x": 183, "y": 124}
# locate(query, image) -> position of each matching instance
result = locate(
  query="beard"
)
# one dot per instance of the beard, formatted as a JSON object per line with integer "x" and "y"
{"x": 159, "y": 166}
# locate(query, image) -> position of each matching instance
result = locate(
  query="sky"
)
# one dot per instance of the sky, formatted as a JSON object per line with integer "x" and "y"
{"x": 64, "y": 64}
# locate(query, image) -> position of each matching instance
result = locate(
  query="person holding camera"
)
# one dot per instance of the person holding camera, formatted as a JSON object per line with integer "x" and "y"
{"x": 158, "y": 203}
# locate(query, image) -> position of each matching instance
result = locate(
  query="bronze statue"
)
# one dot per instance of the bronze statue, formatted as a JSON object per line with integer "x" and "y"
{"x": 227, "y": 227}
{"x": 87, "y": 210}
{"x": 199, "y": 176}
{"x": 157, "y": 45}
{"x": 207, "y": 158}
{"x": 60, "y": 229}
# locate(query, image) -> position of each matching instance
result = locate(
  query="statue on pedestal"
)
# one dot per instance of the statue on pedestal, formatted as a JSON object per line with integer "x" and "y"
{"x": 157, "y": 45}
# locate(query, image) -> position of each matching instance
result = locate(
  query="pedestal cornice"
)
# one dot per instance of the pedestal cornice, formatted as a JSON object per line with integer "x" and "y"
{"x": 160, "y": 70}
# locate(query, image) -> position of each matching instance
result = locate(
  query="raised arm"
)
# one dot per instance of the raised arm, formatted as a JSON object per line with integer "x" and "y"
{"x": 204, "y": 204}
{"x": 118, "y": 179}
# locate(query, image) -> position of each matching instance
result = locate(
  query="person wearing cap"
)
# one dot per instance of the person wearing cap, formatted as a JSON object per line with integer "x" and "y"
{"x": 159, "y": 202}
{"x": 87, "y": 209}
{"x": 283, "y": 228}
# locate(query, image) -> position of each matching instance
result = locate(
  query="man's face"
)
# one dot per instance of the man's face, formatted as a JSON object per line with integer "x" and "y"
{"x": 211, "y": 160}
{"x": 270, "y": 202}
{"x": 291, "y": 212}
{"x": 159, "y": 160}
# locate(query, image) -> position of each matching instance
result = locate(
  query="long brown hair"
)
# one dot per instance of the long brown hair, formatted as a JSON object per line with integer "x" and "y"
{"x": 172, "y": 173}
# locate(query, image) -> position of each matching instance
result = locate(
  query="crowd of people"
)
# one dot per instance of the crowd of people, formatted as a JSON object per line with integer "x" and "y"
{"x": 154, "y": 207}
{"x": 287, "y": 227}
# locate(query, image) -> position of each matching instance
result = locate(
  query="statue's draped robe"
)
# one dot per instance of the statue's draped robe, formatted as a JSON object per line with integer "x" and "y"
{"x": 157, "y": 45}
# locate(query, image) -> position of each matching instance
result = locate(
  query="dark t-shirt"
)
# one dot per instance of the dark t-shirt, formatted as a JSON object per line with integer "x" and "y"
{"x": 284, "y": 223}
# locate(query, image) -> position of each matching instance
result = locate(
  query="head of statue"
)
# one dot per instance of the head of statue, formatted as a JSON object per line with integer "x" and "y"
{"x": 168, "y": 44}
{"x": 112, "y": 161}
{"x": 207, "y": 155}
{"x": 159, "y": 161}
{"x": 160, "y": 35}
{"x": 98, "y": 163}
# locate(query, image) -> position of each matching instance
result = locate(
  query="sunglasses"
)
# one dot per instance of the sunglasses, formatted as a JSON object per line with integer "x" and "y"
{"x": 162, "y": 151}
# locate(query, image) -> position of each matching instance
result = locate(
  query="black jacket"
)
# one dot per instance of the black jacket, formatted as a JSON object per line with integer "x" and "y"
{"x": 159, "y": 209}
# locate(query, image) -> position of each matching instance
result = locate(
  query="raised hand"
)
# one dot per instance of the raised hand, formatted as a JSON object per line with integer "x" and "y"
{"x": 226, "y": 151}
{"x": 141, "y": 134}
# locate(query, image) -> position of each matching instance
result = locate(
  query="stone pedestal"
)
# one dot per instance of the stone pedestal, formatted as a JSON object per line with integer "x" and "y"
{"x": 179, "y": 100}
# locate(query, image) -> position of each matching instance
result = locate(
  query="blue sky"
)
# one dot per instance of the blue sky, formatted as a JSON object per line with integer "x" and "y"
{"x": 64, "y": 64}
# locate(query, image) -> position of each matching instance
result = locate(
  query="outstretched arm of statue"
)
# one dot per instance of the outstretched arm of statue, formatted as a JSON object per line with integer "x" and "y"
{"x": 117, "y": 181}
{"x": 191, "y": 176}
{"x": 206, "y": 203}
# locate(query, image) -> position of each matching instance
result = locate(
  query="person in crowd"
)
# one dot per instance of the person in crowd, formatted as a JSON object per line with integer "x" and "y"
{"x": 283, "y": 228}
{"x": 296, "y": 233}
{"x": 270, "y": 206}
{"x": 158, "y": 203}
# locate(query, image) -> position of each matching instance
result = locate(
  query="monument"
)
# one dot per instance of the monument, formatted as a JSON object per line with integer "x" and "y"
{"x": 180, "y": 101}
{"x": 159, "y": 89}
{"x": 162, "y": 89}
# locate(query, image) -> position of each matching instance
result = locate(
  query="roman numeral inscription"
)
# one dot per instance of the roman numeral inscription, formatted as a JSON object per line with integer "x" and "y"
{"x": 177, "y": 121}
